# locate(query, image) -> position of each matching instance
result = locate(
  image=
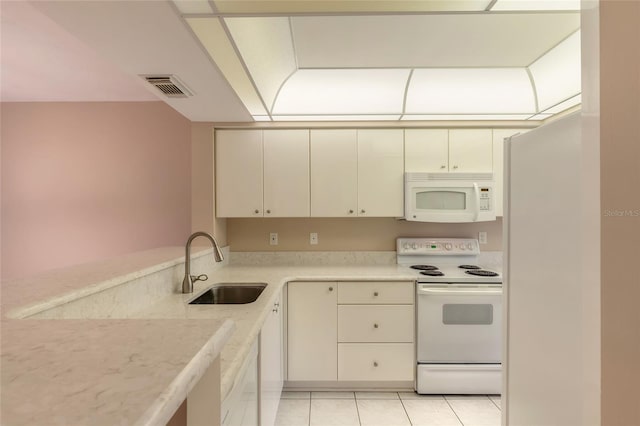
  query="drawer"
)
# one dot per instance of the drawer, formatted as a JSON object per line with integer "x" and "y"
{"x": 375, "y": 323}
{"x": 375, "y": 361}
{"x": 376, "y": 293}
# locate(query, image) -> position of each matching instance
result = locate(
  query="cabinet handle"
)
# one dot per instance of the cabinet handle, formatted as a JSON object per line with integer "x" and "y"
{"x": 443, "y": 167}
{"x": 375, "y": 325}
{"x": 455, "y": 167}
{"x": 350, "y": 211}
{"x": 330, "y": 288}
{"x": 362, "y": 211}
{"x": 256, "y": 211}
{"x": 375, "y": 363}
{"x": 276, "y": 304}
{"x": 275, "y": 310}
{"x": 375, "y": 293}
{"x": 268, "y": 211}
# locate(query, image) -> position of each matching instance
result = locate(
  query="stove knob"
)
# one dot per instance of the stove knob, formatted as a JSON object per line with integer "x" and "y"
{"x": 414, "y": 246}
{"x": 462, "y": 247}
{"x": 405, "y": 246}
{"x": 470, "y": 246}
{"x": 448, "y": 246}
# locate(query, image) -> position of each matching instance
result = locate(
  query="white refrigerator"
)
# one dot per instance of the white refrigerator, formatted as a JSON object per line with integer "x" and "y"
{"x": 545, "y": 360}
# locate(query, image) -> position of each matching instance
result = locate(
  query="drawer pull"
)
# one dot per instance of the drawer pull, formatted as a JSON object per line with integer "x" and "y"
{"x": 330, "y": 288}
{"x": 375, "y": 325}
{"x": 375, "y": 293}
{"x": 375, "y": 363}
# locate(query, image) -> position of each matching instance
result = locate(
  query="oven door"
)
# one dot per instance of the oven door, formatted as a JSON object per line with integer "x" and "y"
{"x": 459, "y": 323}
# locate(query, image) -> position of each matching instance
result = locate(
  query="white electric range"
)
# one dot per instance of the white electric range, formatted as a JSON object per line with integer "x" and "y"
{"x": 458, "y": 316}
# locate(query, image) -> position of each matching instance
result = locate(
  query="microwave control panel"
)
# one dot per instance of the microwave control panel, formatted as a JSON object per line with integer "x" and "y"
{"x": 485, "y": 199}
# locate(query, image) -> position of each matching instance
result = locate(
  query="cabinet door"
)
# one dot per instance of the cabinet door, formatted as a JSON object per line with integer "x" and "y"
{"x": 426, "y": 150}
{"x": 375, "y": 323}
{"x": 238, "y": 173}
{"x": 271, "y": 365}
{"x": 334, "y": 173}
{"x": 312, "y": 331}
{"x": 380, "y": 173}
{"x": 471, "y": 150}
{"x": 376, "y": 361}
{"x": 498, "y": 165}
{"x": 286, "y": 173}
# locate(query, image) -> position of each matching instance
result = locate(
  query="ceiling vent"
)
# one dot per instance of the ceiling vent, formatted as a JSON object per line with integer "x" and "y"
{"x": 169, "y": 85}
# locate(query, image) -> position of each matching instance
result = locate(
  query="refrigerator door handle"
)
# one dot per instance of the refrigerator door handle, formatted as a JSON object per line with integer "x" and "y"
{"x": 476, "y": 193}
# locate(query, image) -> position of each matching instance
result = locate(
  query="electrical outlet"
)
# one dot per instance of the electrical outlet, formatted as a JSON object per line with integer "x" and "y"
{"x": 273, "y": 239}
{"x": 313, "y": 238}
{"x": 482, "y": 237}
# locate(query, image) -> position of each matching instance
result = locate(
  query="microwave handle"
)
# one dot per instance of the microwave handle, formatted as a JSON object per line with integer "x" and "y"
{"x": 476, "y": 193}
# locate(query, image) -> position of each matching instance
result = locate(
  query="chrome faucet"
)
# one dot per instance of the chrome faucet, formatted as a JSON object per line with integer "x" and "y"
{"x": 187, "y": 282}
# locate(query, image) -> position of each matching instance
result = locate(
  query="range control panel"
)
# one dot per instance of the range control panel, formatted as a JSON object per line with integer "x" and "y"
{"x": 437, "y": 246}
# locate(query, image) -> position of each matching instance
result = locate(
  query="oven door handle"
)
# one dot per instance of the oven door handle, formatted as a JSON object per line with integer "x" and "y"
{"x": 478, "y": 291}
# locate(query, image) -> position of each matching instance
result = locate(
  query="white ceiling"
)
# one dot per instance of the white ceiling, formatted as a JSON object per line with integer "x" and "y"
{"x": 458, "y": 40}
{"x": 42, "y": 62}
{"x": 97, "y": 50}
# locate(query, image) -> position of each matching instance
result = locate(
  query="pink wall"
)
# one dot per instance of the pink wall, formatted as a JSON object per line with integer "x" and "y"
{"x": 87, "y": 181}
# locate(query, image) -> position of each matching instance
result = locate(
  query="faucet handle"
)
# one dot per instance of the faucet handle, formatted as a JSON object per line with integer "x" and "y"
{"x": 201, "y": 277}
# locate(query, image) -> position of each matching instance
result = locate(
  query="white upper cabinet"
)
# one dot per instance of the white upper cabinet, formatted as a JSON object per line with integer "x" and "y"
{"x": 334, "y": 173}
{"x": 286, "y": 173}
{"x": 262, "y": 173}
{"x": 239, "y": 173}
{"x": 426, "y": 150}
{"x": 470, "y": 150}
{"x": 380, "y": 173}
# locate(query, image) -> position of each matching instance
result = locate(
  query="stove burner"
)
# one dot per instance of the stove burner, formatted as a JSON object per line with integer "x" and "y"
{"x": 481, "y": 273}
{"x": 432, "y": 273}
{"x": 424, "y": 267}
{"x": 469, "y": 267}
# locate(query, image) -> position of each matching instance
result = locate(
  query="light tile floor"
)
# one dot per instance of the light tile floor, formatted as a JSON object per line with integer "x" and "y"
{"x": 387, "y": 409}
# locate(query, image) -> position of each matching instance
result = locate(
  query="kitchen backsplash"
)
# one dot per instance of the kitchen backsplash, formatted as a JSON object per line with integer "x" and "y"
{"x": 309, "y": 258}
{"x": 348, "y": 234}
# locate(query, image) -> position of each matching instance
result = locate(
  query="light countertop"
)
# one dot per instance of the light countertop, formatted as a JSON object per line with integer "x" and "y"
{"x": 249, "y": 318}
{"x": 138, "y": 369}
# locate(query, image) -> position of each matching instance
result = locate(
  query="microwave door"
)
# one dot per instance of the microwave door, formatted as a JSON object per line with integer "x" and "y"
{"x": 443, "y": 204}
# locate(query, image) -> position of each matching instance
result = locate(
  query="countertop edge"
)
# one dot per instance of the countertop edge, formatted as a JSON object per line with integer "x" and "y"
{"x": 165, "y": 406}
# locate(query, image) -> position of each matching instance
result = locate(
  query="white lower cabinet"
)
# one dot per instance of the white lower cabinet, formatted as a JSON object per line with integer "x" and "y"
{"x": 312, "y": 323}
{"x": 240, "y": 407}
{"x": 271, "y": 364}
{"x": 375, "y": 323}
{"x": 351, "y": 331}
{"x": 378, "y": 362}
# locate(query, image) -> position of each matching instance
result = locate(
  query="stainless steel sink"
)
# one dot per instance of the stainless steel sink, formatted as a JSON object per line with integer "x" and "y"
{"x": 229, "y": 294}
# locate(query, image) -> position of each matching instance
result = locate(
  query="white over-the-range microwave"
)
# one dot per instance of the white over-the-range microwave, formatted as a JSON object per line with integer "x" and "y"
{"x": 449, "y": 197}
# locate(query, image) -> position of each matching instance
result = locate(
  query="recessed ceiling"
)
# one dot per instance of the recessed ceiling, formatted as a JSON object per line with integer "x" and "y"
{"x": 462, "y": 40}
{"x": 400, "y": 66}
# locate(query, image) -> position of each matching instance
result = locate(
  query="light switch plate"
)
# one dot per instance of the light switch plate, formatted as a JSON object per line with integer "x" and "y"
{"x": 273, "y": 239}
{"x": 313, "y": 238}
